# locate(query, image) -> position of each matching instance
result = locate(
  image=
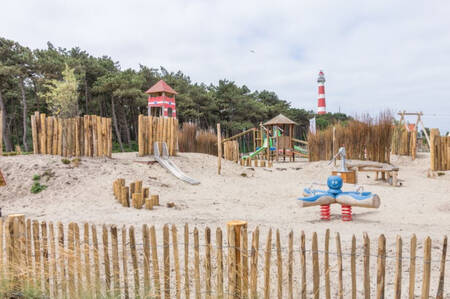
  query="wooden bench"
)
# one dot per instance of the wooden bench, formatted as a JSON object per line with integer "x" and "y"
{"x": 388, "y": 172}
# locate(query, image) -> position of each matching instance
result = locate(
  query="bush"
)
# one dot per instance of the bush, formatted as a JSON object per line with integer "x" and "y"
{"x": 36, "y": 177}
{"x": 65, "y": 161}
{"x": 37, "y": 187}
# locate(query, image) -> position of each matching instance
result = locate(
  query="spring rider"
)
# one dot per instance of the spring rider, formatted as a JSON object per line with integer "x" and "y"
{"x": 334, "y": 194}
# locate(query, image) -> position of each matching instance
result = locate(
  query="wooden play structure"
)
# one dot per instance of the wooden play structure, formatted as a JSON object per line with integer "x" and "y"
{"x": 272, "y": 141}
{"x": 89, "y": 136}
{"x": 161, "y": 100}
{"x": 157, "y": 129}
{"x": 439, "y": 151}
{"x": 134, "y": 195}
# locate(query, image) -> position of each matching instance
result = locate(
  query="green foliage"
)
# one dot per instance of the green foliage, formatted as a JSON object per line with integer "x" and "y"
{"x": 62, "y": 96}
{"x": 65, "y": 161}
{"x": 37, "y": 187}
{"x": 36, "y": 177}
{"x": 68, "y": 82}
{"x": 128, "y": 148}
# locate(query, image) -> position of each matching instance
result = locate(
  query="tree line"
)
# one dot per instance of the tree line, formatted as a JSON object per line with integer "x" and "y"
{"x": 69, "y": 82}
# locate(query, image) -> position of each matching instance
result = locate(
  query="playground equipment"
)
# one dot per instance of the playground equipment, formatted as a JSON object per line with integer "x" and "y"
{"x": 348, "y": 176}
{"x": 324, "y": 198}
{"x": 169, "y": 165}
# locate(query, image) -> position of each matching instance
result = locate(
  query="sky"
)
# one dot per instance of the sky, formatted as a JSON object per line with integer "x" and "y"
{"x": 376, "y": 55}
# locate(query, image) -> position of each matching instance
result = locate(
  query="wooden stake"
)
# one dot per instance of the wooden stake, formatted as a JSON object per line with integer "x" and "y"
{"x": 45, "y": 257}
{"x": 279, "y": 267}
{"x": 186, "y": 261}
{"x": 244, "y": 262}
{"x": 412, "y": 266}
{"x": 327, "y": 264}
{"x": 398, "y": 270}
{"x": 146, "y": 244}
{"x": 61, "y": 257}
{"x": 440, "y": 291}
{"x": 125, "y": 262}
{"x": 290, "y": 265}
{"x": 303, "y": 262}
{"x": 426, "y": 269}
{"x": 134, "y": 261}
{"x": 339, "y": 265}
{"x": 381, "y": 266}
{"x": 106, "y": 260}
{"x": 96, "y": 261}
{"x": 219, "y": 246}
{"x": 115, "y": 261}
{"x": 166, "y": 258}
{"x": 54, "y": 272}
{"x": 267, "y": 266}
{"x": 87, "y": 262}
{"x": 155, "y": 264}
{"x": 196, "y": 264}
{"x": 353, "y": 266}
{"x": 177, "y": 262}
{"x": 254, "y": 265}
{"x": 219, "y": 149}
{"x": 208, "y": 262}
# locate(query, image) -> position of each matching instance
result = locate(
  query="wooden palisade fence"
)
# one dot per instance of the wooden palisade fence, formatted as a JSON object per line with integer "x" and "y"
{"x": 404, "y": 142}
{"x": 439, "y": 151}
{"x": 157, "y": 129}
{"x": 89, "y": 136}
{"x": 87, "y": 261}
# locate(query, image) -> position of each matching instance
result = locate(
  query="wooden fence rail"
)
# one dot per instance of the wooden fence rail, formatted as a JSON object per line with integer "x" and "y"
{"x": 439, "y": 151}
{"x": 87, "y": 261}
{"x": 157, "y": 129}
{"x": 89, "y": 136}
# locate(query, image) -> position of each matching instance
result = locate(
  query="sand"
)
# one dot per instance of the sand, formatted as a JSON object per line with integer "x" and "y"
{"x": 264, "y": 197}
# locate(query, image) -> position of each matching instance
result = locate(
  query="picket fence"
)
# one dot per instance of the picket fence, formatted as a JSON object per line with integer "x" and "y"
{"x": 61, "y": 262}
{"x": 89, "y": 136}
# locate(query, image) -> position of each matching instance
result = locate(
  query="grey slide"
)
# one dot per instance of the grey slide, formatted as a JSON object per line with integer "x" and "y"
{"x": 169, "y": 165}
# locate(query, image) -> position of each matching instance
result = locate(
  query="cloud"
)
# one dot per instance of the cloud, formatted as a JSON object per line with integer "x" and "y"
{"x": 376, "y": 55}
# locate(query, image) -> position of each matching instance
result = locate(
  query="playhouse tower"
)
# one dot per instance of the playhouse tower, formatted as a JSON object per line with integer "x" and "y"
{"x": 321, "y": 105}
{"x": 161, "y": 100}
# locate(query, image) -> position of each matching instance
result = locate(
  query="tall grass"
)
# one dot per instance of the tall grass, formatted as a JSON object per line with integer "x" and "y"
{"x": 193, "y": 139}
{"x": 364, "y": 138}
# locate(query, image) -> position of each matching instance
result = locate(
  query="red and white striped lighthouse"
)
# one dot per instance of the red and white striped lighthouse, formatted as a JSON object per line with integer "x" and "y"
{"x": 321, "y": 106}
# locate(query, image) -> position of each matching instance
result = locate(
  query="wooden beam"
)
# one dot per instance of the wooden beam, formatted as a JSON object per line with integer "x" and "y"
{"x": 238, "y": 135}
{"x": 219, "y": 150}
{"x": 300, "y": 141}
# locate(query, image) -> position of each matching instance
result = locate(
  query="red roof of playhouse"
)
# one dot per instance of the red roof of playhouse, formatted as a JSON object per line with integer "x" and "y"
{"x": 411, "y": 127}
{"x": 161, "y": 86}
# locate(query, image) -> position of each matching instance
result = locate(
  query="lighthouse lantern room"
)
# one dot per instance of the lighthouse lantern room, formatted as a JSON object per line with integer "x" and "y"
{"x": 161, "y": 100}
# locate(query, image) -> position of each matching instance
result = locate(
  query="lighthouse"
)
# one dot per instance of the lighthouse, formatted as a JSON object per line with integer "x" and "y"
{"x": 321, "y": 106}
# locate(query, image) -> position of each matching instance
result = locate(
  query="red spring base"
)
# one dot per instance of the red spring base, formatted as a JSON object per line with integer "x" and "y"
{"x": 325, "y": 212}
{"x": 346, "y": 213}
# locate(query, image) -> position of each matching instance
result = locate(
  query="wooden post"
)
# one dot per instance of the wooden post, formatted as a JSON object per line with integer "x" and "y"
{"x": 134, "y": 261}
{"x": 316, "y": 273}
{"x": 186, "y": 261}
{"x": 197, "y": 265}
{"x": 267, "y": 266}
{"x": 381, "y": 266}
{"x": 290, "y": 265}
{"x": 115, "y": 261}
{"x": 353, "y": 266}
{"x": 141, "y": 138}
{"x": 53, "y": 260}
{"x": 96, "y": 260}
{"x": 61, "y": 256}
{"x": 398, "y": 270}
{"x": 166, "y": 261}
{"x": 125, "y": 262}
{"x": 208, "y": 262}
{"x": 326, "y": 263}
{"x": 412, "y": 266}
{"x": 33, "y": 130}
{"x": 426, "y": 269}
{"x": 155, "y": 265}
{"x": 219, "y": 246}
{"x": 254, "y": 265}
{"x": 279, "y": 267}
{"x": 303, "y": 262}
{"x": 235, "y": 267}
{"x": 87, "y": 262}
{"x": 366, "y": 266}
{"x": 106, "y": 260}
{"x": 146, "y": 244}
{"x": 339, "y": 265}
{"x": 176, "y": 262}
{"x": 219, "y": 149}
{"x": 440, "y": 291}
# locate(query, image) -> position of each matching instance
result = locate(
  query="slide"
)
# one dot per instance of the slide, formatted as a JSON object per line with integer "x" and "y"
{"x": 262, "y": 148}
{"x": 170, "y": 166}
{"x": 301, "y": 150}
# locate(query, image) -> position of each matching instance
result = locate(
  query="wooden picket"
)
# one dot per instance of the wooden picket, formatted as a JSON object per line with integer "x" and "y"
{"x": 89, "y": 136}
{"x": 65, "y": 261}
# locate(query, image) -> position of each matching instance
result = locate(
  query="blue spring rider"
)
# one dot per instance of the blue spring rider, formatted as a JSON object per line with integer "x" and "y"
{"x": 334, "y": 194}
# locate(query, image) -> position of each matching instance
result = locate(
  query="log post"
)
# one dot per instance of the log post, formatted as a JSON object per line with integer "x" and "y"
{"x": 234, "y": 240}
{"x": 219, "y": 149}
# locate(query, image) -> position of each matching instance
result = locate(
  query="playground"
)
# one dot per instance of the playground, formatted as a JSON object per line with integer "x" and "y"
{"x": 260, "y": 195}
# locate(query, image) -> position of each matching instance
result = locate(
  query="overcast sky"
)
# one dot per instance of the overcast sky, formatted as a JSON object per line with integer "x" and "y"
{"x": 376, "y": 55}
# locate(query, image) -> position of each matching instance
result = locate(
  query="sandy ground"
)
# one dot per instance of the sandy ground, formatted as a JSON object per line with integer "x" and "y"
{"x": 264, "y": 197}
